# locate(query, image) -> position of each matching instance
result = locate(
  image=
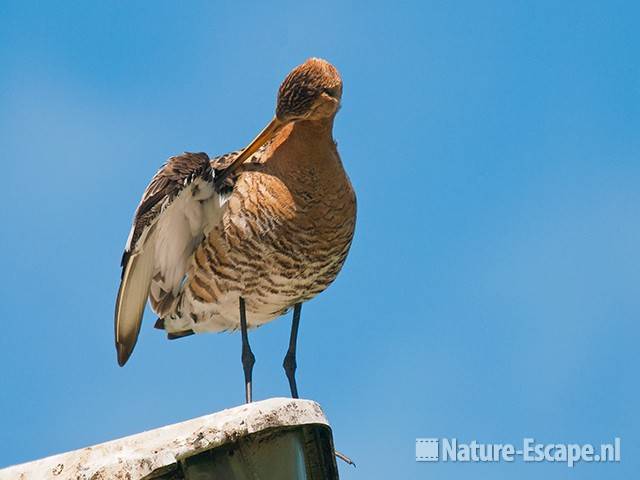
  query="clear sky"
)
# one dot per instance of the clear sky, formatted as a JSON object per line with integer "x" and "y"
{"x": 493, "y": 288}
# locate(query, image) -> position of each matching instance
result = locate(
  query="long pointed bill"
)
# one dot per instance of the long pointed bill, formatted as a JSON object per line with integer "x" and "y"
{"x": 262, "y": 138}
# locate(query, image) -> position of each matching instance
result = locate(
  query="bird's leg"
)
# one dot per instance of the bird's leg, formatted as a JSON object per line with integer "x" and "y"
{"x": 289, "y": 363}
{"x": 248, "y": 359}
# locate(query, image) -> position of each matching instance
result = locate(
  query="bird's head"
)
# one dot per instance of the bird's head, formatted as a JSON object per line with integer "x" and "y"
{"x": 311, "y": 92}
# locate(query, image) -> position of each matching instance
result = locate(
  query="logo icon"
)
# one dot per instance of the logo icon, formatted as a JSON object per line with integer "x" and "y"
{"x": 426, "y": 449}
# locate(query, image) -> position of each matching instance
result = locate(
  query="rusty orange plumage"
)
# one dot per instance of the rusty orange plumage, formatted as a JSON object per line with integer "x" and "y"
{"x": 236, "y": 241}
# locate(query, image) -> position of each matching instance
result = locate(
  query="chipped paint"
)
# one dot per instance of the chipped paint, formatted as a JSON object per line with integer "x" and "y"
{"x": 137, "y": 456}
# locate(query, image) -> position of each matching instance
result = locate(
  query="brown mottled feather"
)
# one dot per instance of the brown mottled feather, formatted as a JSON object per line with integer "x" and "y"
{"x": 290, "y": 215}
{"x": 283, "y": 223}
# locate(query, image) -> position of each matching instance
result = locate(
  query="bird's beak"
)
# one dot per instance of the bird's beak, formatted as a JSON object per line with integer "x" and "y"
{"x": 265, "y": 135}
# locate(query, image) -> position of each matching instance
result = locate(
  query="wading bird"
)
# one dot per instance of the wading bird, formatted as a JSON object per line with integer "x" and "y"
{"x": 235, "y": 241}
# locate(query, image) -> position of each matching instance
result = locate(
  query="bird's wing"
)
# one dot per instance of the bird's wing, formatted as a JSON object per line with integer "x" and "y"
{"x": 221, "y": 163}
{"x": 176, "y": 211}
{"x": 167, "y": 281}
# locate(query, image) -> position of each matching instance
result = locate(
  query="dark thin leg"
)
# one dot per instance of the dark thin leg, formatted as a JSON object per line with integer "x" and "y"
{"x": 248, "y": 359}
{"x": 289, "y": 363}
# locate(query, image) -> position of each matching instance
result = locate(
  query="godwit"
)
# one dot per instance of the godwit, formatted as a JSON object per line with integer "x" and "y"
{"x": 235, "y": 241}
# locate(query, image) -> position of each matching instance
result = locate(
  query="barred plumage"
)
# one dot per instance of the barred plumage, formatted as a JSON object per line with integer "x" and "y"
{"x": 270, "y": 225}
{"x": 283, "y": 237}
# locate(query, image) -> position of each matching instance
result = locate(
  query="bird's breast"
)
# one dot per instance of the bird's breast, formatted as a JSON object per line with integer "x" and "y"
{"x": 287, "y": 236}
{"x": 282, "y": 239}
{"x": 296, "y": 224}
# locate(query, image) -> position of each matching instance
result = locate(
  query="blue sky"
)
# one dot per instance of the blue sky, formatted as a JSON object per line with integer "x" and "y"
{"x": 493, "y": 287}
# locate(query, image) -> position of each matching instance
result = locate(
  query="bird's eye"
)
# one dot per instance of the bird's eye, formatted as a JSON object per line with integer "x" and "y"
{"x": 332, "y": 92}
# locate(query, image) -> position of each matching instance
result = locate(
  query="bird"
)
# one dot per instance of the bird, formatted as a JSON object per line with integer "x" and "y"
{"x": 233, "y": 242}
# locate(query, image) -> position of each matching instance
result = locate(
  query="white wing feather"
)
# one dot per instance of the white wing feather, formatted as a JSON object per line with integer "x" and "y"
{"x": 178, "y": 208}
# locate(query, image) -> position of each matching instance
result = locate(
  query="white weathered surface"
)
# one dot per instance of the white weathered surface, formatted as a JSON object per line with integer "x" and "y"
{"x": 136, "y": 456}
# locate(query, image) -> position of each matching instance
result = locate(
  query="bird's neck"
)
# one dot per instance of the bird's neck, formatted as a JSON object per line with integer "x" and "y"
{"x": 306, "y": 141}
{"x": 318, "y": 129}
{"x": 304, "y": 156}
